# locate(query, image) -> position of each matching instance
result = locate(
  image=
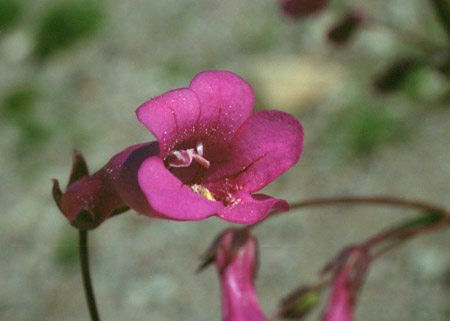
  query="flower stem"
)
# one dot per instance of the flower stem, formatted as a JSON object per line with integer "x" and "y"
{"x": 442, "y": 10}
{"x": 373, "y": 200}
{"x": 88, "y": 289}
{"x": 408, "y": 36}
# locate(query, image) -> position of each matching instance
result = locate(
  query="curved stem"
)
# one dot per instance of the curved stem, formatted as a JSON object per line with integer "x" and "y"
{"x": 88, "y": 289}
{"x": 373, "y": 200}
{"x": 409, "y": 36}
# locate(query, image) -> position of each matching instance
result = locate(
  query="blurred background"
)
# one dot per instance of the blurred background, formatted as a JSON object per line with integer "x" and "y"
{"x": 72, "y": 74}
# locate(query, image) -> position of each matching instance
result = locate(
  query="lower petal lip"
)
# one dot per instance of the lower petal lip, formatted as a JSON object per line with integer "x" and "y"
{"x": 169, "y": 196}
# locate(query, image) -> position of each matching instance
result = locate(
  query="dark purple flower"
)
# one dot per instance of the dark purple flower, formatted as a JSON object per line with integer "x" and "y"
{"x": 213, "y": 153}
{"x": 301, "y": 8}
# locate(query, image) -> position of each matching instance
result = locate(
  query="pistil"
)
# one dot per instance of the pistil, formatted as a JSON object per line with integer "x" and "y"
{"x": 184, "y": 157}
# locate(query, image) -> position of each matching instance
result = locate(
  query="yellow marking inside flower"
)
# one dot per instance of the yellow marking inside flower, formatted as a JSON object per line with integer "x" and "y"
{"x": 203, "y": 191}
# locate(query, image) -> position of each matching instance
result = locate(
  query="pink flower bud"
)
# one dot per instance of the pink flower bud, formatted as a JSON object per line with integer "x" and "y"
{"x": 235, "y": 253}
{"x": 302, "y": 8}
{"x": 349, "y": 270}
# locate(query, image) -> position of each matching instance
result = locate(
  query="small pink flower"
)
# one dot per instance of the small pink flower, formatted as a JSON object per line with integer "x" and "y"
{"x": 213, "y": 153}
{"x": 235, "y": 253}
{"x": 301, "y": 8}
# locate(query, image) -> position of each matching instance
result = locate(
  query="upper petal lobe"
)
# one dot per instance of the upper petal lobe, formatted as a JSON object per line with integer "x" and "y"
{"x": 266, "y": 145}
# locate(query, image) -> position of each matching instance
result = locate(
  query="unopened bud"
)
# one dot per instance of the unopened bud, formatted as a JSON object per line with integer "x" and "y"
{"x": 341, "y": 32}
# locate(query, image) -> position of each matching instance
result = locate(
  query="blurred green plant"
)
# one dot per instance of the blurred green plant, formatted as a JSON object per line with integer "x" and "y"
{"x": 65, "y": 24}
{"x": 66, "y": 251}
{"x": 18, "y": 109}
{"x": 360, "y": 130}
{"x": 425, "y": 84}
{"x": 10, "y": 12}
{"x": 177, "y": 66}
{"x": 19, "y": 101}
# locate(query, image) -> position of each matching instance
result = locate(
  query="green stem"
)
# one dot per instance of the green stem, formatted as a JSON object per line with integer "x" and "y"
{"x": 442, "y": 10}
{"x": 88, "y": 289}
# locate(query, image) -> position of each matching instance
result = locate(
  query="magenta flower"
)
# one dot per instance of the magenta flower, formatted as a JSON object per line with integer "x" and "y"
{"x": 211, "y": 156}
{"x": 235, "y": 253}
{"x": 213, "y": 153}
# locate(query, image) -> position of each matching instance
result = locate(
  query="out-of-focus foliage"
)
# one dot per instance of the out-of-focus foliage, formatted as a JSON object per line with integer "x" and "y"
{"x": 66, "y": 251}
{"x": 18, "y": 109}
{"x": 65, "y": 24}
{"x": 18, "y": 102}
{"x": 360, "y": 129}
{"x": 10, "y": 12}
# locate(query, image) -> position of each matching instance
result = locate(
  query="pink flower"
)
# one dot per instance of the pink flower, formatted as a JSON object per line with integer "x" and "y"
{"x": 301, "y": 8}
{"x": 213, "y": 153}
{"x": 340, "y": 306}
{"x": 350, "y": 269}
{"x": 235, "y": 253}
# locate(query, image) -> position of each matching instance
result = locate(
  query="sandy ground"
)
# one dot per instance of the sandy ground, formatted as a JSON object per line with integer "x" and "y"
{"x": 143, "y": 269}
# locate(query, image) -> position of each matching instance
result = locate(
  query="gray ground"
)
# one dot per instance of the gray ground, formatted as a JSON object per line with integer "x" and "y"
{"x": 143, "y": 269}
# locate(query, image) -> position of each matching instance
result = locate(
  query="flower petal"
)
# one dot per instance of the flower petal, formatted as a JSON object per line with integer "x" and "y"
{"x": 212, "y": 110}
{"x": 266, "y": 145}
{"x": 121, "y": 173}
{"x": 171, "y": 117}
{"x": 170, "y": 197}
{"x": 252, "y": 208}
{"x": 226, "y": 101}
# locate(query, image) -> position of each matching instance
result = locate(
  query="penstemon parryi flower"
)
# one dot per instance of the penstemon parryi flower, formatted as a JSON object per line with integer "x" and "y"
{"x": 211, "y": 156}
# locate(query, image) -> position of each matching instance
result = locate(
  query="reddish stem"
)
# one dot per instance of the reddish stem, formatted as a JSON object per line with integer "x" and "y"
{"x": 373, "y": 200}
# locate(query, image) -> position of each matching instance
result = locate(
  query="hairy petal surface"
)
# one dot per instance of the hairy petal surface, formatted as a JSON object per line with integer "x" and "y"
{"x": 226, "y": 100}
{"x": 211, "y": 110}
{"x": 169, "y": 196}
{"x": 171, "y": 117}
{"x": 251, "y": 208}
{"x": 265, "y": 146}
